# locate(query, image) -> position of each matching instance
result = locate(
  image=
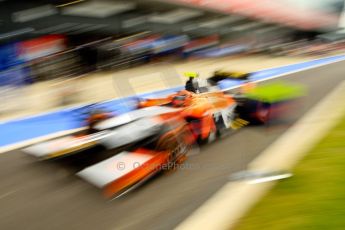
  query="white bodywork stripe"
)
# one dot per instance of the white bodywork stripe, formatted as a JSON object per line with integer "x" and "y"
{"x": 113, "y": 168}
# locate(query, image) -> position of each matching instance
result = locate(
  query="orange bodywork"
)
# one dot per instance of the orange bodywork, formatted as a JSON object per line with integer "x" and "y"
{"x": 152, "y": 165}
{"x": 154, "y": 102}
{"x": 197, "y": 102}
{"x": 199, "y": 106}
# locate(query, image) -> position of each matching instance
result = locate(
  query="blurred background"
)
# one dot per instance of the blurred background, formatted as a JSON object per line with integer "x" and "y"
{"x": 58, "y": 54}
{"x": 55, "y": 53}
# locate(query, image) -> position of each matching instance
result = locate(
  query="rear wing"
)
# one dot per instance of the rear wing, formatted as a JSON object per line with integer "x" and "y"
{"x": 116, "y": 175}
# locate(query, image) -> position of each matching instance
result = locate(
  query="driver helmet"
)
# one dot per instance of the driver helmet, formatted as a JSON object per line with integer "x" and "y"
{"x": 191, "y": 74}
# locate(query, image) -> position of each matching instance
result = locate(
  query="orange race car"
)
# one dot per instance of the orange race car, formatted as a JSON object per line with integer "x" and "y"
{"x": 166, "y": 143}
{"x": 157, "y": 135}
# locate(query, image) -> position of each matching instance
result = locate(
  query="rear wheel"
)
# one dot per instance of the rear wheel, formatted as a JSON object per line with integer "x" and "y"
{"x": 254, "y": 111}
{"x": 263, "y": 113}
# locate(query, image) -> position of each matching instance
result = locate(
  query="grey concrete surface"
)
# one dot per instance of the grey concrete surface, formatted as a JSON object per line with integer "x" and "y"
{"x": 39, "y": 195}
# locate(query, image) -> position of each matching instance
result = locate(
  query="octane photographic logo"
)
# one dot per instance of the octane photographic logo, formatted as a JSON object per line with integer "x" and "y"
{"x": 122, "y": 166}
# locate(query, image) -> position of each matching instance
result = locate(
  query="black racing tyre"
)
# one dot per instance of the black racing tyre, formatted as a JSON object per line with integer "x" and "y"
{"x": 263, "y": 113}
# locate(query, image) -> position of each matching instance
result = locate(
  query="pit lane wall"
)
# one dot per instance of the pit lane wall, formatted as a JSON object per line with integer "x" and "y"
{"x": 23, "y": 130}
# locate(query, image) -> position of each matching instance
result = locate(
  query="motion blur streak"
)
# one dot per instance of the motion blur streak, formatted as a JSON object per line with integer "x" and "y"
{"x": 131, "y": 114}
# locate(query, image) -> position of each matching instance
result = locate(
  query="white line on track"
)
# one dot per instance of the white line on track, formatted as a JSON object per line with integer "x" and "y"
{"x": 234, "y": 199}
{"x": 7, "y": 194}
{"x": 270, "y": 178}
